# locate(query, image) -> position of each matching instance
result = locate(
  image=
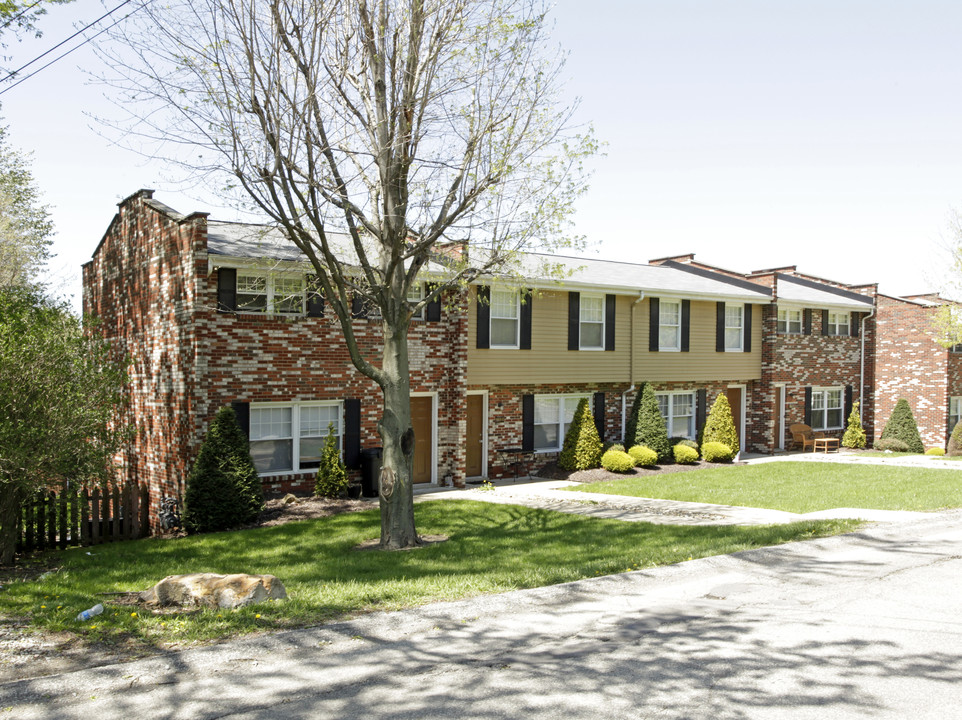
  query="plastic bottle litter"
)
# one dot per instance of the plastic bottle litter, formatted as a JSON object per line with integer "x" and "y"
{"x": 87, "y": 614}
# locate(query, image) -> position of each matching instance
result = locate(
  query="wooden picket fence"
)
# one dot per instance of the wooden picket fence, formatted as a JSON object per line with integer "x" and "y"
{"x": 89, "y": 517}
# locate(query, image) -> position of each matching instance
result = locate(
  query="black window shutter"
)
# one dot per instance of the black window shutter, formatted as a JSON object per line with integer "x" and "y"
{"x": 599, "y": 413}
{"x": 609, "y": 322}
{"x": 720, "y": 327}
{"x": 352, "y": 433}
{"x": 747, "y": 329}
{"x": 654, "y": 320}
{"x": 685, "y": 324}
{"x": 807, "y": 322}
{"x": 855, "y": 323}
{"x": 226, "y": 289}
{"x": 242, "y": 411}
{"x": 432, "y": 312}
{"x": 315, "y": 300}
{"x": 484, "y": 317}
{"x": 527, "y": 301}
{"x": 824, "y": 322}
{"x": 574, "y": 320}
{"x": 527, "y": 423}
{"x": 358, "y": 307}
{"x": 848, "y": 404}
{"x": 701, "y": 409}
{"x": 808, "y": 406}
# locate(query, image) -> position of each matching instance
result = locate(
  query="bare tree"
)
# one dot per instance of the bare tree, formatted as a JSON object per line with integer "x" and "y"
{"x": 406, "y": 124}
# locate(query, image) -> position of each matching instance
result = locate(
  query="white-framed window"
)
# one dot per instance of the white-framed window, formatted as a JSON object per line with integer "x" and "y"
{"x": 955, "y": 412}
{"x": 272, "y": 294}
{"x": 505, "y": 318}
{"x": 415, "y": 295}
{"x": 678, "y": 411}
{"x": 669, "y": 325}
{"x": 552, "y": 417}
{"x": 827, "y": 410}
{"x": 838, "y": 323}
{"x": 592, "y": 323}
{"x": 734, "y": 324}
{"x": 290, "y": 437}
{"x": 789, "y": 322}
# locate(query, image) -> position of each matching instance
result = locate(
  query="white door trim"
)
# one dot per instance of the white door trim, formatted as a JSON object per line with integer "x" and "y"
{"x": 780, "y": 414}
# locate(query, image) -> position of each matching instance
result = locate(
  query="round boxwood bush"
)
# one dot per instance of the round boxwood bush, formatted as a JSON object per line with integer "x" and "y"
{"x": 614, "y": 446}
{"x": 685, "y": 455}
{"x": 643, "y": 455}
{"x": 687, "y": 443}
{"x": 715, "y": 452}
{"x": 617, "y": 461}
{"x": 935, "y": 451}
{"x": 892, "y": 445}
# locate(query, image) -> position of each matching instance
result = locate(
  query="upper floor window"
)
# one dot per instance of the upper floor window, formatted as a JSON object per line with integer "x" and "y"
{"x": 289, "y": 438}
{"x": 734, "y": 324}
{"x": 505, "y": 314}
{"x": 552, "y": 417}
{"x": 678, "y": 411}
{"x": 838, "y": 323}
{"x": 789, "y": 322}
{"x": 827, "y": 408}
{"x": 592, "y": 323}
{"x": 275, "y": 294}
{"x": 415, "y": 295}
{"x": 669, "y": 325}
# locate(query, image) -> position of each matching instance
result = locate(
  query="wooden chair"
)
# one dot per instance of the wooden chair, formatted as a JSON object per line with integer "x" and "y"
{"x": 804, "y": 436}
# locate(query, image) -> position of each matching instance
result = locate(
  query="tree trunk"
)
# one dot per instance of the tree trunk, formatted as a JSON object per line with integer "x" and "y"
{"x": 397, "y": 438}
{"x": 9, "y": 508}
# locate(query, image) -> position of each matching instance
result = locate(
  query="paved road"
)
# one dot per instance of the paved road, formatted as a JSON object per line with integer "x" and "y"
{"x": 859, "y": 626}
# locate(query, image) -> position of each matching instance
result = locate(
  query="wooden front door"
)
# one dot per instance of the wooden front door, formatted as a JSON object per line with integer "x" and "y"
{"x": 474, "y": 436}
{"x": 421, "y": 422}
{"x": 735, "y": 400}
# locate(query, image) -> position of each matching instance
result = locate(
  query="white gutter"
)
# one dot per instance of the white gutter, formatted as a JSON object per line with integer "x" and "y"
{"x": 861, "y": 370}
{"x": 631, "y": 362}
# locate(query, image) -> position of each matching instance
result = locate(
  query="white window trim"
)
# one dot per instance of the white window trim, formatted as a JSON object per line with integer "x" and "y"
{"x": 677, "y": 346}
{"x": 741, "y": 327}
{"x": 416, "y": 295}
{"x": 295, "y": 430}
{"x": 560, "y": 423}
{"x": 517, "y": 321}
{"x": 957, "y": 402}
{"x": 582, "y": 321}
{"x": 271, "y": 279}
{"x": 691, "y": 418}
{"x": 834, "y": 326}
{"x": 841, "y": 396}
{"x": 788, "y": 323}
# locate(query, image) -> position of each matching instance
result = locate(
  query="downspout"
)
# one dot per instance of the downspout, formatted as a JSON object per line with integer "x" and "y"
{"x": 631, "y": 362}
{"x": 861, "y": 370}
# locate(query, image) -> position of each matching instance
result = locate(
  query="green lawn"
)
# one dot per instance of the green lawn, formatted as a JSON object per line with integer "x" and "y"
{"x": 799, "y": 487}
{"x": 492, "y": 548}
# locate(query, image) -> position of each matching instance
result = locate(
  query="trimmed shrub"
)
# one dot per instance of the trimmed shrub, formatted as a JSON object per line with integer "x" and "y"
{"x": 901, "y": 426}
{"x": 955, "y": 440}
{"x": 892, "y": 445}
{"x": 935, "y": 451}
{"x": 617, "y": 461}
{"x": 332, "y": 479}
{"x": 720, "y": 427}
{"x": 646, "y": 426}
{"x": 716, "y": 452}
{"x": 614, "y": 446}
{"x": 685, "y": 455}
{"x": 688, "y": 443}
{"x": 582, "y": 448}
{"x": 643, "y": 456}
{"x": 223, "y": 488}
{"x": 854, "y": 436}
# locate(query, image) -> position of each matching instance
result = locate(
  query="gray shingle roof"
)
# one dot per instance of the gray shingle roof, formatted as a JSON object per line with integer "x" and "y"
{"x": 799, "y": 291}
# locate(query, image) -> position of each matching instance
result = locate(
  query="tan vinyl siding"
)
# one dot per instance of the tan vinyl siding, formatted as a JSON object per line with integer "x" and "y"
{"x": 550, "y": 361}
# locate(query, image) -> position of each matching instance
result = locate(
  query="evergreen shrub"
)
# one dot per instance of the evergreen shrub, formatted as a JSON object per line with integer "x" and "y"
{"x": 582, "y": 448}
{"x": 901, "y": 426}
{"x": 935, "y": 451}
{"x": 646, "y": 426}
{"x": 643, "y": 456}
{"x": 685, "y": 455}
{"x": 617, "y": 461}
{"x": 688, "y": 443}
{"x": 720, "y": 426}
{"x": 223, "y": 488}
{"x": 716, "y": 452}
{"x": 955, "y": 441}
{"x": 854, "y": 436}
{"x": 892, "y": 445}
{"x": 332, "y": 479}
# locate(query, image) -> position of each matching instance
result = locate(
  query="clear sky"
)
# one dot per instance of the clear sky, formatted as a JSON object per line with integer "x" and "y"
{"x": 822, "y": 134}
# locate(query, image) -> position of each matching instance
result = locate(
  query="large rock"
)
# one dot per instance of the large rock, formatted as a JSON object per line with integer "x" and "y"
{"x": 212, "y": 590}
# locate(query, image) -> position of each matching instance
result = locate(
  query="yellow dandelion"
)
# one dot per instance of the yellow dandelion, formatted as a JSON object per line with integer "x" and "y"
{"x": 43, "y": 607}
{"x": 133, "y": 614}
{"x": 257, "y": 617}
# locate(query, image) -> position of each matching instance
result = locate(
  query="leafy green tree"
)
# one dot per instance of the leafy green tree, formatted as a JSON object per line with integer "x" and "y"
{"x": 59, "y": 393}
{"x": 854, "y": 436}
{"x": 583, "y": 447}
{"x": 720, "y": 426}
{"x": 332, "y": 476}
{"x": 223, "y": 488}
{"x": 901, "y": 426}
{"x": 646, "y": 426}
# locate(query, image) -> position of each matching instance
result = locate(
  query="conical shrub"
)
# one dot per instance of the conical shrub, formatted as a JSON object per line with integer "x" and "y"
{"x": 955, "y": 440}
{"x": 720, "y": 425}
{"x": 854, "y": 436}
{"x": 583, "y": 446}
{"x": 646, "y": 425}
{"x": 901, "y": 426}
{"x": 332, "y": 479}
